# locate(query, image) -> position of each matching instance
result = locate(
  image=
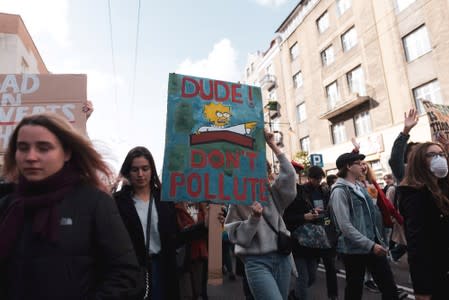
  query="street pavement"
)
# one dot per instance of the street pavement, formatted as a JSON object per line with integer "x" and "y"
{"x": 233, "y": 289}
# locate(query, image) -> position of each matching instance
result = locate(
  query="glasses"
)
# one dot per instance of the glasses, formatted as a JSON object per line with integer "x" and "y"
{"x": 434, "y": 154}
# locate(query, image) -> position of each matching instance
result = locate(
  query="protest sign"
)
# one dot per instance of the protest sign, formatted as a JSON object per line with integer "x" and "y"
{"x": 27, "y": 94}
{"x": 438, "y": 115}
{"x": 214, "y": 145}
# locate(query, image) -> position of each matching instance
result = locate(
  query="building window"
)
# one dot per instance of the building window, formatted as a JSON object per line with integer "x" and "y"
{"x": 356, "y": 81}
{"x": 269, "y": 70}
{"x": 298, "y": 80}
{"x": 429, "y": 91}
{"x": 323, "y": 22}
{"x": 403, "y": 4}
{"x": 362, "y": 123}
{"x": 294, "y": 51}
{"x": 24, "y": 66}
{"x": 343, "y": 6}
{"x": 248, "y": 72}
{"x": 349, "y": 39}
{"x": 333, "y": 96}
{"x": 305, "y": 144}
{"x": 416, "y": 43}
{"x": 327, "y": 56}
{"x": 272, "y": 94}
{"x": 339, "y": 133}
{"x": 301, "y": 112}
{"x": 252, "y": 67}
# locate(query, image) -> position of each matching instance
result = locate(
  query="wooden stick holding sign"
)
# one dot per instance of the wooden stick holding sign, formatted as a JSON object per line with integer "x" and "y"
{"x": 215, "y": 275}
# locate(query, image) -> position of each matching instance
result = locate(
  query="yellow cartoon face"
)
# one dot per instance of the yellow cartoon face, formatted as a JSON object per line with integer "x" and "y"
{"x": 218, "y": 114}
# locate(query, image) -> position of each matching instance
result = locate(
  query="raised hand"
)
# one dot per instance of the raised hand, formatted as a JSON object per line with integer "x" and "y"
{"x": 410, "y": 120}
{"x": 257, "y": 209}
{"x": 356, "y": 145}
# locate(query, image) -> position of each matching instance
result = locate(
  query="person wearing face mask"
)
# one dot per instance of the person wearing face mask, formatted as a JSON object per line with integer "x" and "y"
{"x": 424, "y": 204}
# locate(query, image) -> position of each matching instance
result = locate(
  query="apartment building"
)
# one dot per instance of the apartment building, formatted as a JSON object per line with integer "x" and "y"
{"x": 18, "y": 54}
{"x": 342, "y": 69}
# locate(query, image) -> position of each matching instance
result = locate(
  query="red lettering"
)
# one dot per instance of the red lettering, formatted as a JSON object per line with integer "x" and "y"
{"x": 263, "y": 189}
{"x": 197, "y": 153}
{"x": 207, "y": 195}
{"x": 184, "y": 92}
{"x": 233, "y": 160}
{"x": 216, "y": 159}
{"x": 236, "y": 94}
{"x": 224, "y": 86}
{"x": 252, "y": 156}
{"x": 221, "y": 194}
{"x": 235, "y": 192}
{"x": 174, "y": 182}
{"x": 190, "y": 185}
{"x": 253, "y": 182}
{"x": 203, "y": 94}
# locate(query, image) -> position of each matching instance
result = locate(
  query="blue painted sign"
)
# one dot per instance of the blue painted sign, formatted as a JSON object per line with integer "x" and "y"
{"x": 215, "y": 145}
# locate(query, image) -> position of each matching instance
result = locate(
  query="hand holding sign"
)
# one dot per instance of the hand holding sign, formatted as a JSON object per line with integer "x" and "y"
{"x": 257, "y": 209}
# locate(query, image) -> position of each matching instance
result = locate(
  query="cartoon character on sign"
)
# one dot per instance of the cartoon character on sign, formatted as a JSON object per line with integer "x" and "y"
{"x": 219, "y": 117}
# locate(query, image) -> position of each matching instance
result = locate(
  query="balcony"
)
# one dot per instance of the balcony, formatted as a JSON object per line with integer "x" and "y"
{"x": 272, "y": 109}
{"x": 268, "y": 81}
{"x": 349, "y": 102}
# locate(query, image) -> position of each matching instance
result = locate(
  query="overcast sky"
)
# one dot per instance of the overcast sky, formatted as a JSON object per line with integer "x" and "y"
{"x": 207, "y": 38}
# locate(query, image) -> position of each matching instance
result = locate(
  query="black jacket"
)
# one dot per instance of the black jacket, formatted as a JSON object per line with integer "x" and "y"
{"x": 294, "y": 215}
{"x": 168, "y": 234}
{"x": 93, "y": 259}
{"x": 427, "y": 233}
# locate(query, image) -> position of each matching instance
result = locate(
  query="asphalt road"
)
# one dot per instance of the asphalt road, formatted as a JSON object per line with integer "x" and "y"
{"x": 233, "y": 289}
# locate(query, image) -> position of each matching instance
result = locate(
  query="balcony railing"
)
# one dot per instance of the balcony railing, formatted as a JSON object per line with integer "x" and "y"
{"x": 350, "y": 101}
{"x": 268, "y": 81}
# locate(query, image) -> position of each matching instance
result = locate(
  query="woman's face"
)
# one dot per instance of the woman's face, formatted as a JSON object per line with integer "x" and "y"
{"x": 364, "y": 167}
{"x": 140, "y": 173}
{"x": 39, "y": 153}
{"x": 432, "y": 151}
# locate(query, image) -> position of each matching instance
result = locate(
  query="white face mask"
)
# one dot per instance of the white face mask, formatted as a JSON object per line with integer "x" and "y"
{"x": 438, "y": 166}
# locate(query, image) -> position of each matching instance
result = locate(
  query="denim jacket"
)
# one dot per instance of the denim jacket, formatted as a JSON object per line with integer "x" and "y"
{"x": 357, "y": 218}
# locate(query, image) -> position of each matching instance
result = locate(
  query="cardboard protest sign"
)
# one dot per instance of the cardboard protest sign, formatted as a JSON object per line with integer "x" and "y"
{"x": 438, "y": 115}
{"x": 27, "y": 94}
{"x": 214, "y": 145}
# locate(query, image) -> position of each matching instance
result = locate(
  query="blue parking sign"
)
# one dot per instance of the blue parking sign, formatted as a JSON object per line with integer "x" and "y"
{"x": 316, "y": 160}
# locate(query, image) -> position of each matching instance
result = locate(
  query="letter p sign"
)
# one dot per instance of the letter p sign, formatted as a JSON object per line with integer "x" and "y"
{"x": 316, "y": 160}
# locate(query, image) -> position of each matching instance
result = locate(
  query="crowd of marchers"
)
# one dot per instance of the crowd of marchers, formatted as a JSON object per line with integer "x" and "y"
{"x": 66, "y": 233}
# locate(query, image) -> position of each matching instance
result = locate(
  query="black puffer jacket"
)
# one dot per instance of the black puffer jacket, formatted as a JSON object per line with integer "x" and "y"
{"x": 94, "y": 258}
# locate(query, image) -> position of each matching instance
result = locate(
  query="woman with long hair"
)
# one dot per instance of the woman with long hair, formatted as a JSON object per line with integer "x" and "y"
{"x": 150, "y": 222}
{"x": 424, "y": 203}
{"x": 60, "y": 233}
{"x": 255, "y": 231}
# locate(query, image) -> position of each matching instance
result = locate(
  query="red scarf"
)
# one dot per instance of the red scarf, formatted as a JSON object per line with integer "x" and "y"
{"x": 40, "y": 199}
{"x": 387, "y": 208}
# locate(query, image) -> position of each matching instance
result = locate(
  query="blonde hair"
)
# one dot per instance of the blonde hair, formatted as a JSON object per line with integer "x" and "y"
{"x": 86, "y": 160}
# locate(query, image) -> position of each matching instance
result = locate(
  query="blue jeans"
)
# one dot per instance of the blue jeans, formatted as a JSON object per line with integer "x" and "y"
{"x": 268, "y": 275}
{"x": 156, "y": 284}
{"x": 306, "y": 267}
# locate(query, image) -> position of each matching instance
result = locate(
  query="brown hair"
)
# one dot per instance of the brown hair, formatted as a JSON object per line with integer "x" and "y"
{"x": 87, "y": 161}
{"x": 370, "y": 176}
{"x": 418, "y": 175}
